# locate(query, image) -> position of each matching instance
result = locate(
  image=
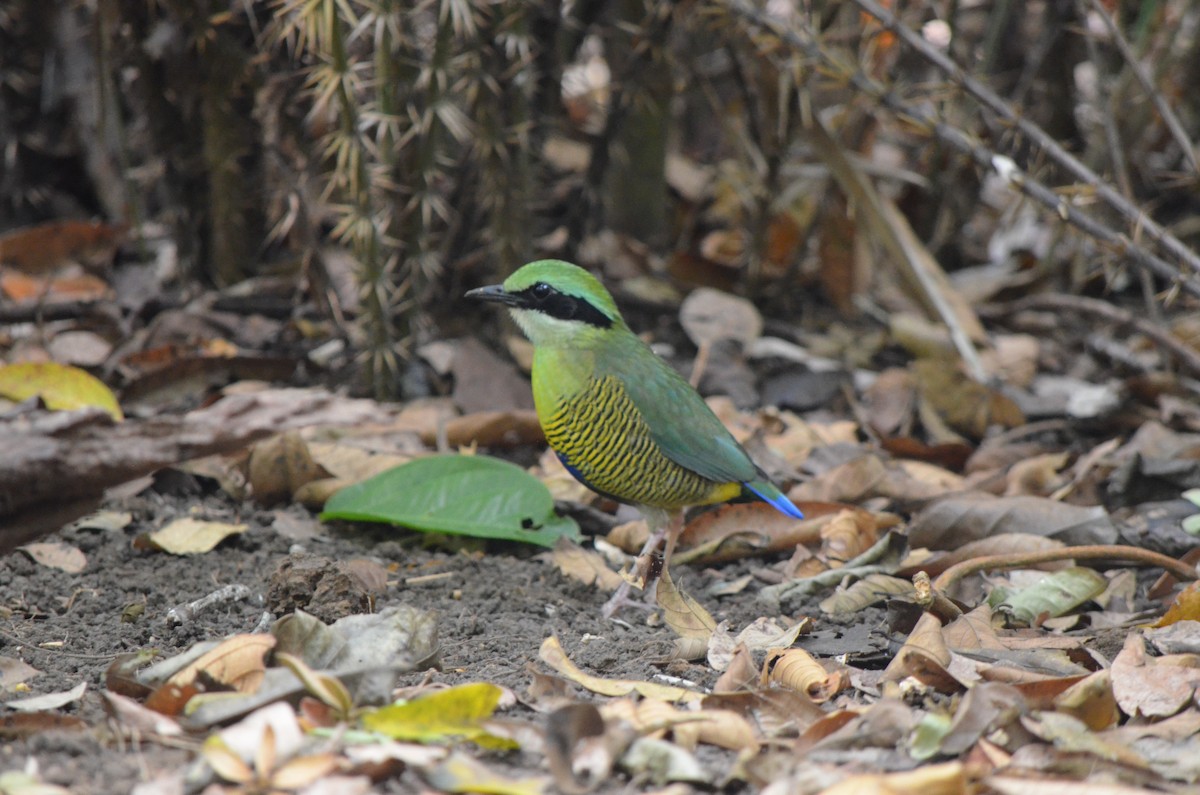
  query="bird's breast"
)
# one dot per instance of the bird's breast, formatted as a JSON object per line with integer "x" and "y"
{"x": 603, "y": 439}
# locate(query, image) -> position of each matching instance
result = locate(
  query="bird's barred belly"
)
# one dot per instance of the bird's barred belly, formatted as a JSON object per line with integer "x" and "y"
{"x": 602, "y": 439}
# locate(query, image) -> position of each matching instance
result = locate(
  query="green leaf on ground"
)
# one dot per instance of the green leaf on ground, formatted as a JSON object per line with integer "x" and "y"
{"x": 467, "y": 495}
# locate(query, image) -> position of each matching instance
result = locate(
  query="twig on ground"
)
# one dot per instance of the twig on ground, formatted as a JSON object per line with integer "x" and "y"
{"x": 1186, "y": 355}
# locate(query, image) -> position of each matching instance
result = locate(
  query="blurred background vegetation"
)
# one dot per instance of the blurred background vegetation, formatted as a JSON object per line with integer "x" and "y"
{"x": 797, "y": 152}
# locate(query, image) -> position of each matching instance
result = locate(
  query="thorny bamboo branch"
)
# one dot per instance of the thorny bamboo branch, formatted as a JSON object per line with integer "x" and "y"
{"x": 1164, "y": 110}
{"x": 803, "y": 41}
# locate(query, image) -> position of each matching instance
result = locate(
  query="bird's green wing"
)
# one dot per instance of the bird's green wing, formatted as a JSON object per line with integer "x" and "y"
{"x": 680, "y": 422}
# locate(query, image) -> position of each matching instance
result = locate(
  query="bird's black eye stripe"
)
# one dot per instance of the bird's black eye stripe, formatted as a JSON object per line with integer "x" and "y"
{"x": 544, "y": 298}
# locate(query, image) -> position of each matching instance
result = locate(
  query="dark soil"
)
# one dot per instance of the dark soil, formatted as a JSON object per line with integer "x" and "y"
{"x": 494, "y": 611}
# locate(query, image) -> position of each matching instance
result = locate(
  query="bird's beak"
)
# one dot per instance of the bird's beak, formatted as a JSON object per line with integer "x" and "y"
{"x": 494, "y": 293}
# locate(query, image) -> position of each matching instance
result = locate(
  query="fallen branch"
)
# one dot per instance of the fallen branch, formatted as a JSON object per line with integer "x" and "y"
{"x": 56, "y": 464}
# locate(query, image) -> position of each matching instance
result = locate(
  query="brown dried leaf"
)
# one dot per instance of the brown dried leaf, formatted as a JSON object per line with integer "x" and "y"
{"x": 491, "y": 429}
{"x": 709, "y": 316}
{"x": 584, "y": 565}
{"x": 889, "y": 403}
{"x": 1185, "y": 607}
{"x": 13, "y": 672}
{"x": 924, "y": 657}
{"x": 237, "y": 662}
{"x": 682, "y": 613}
{"x": 281, "y": 465}
{"x": 41, "y": 248}
{"x": 1153, "y": 687}
{"x": 733, "y": 532}
{"x": 1091, "y": 700}
{"x": 966, "y": 406}
{"x": 954, "y": 521}
{"x": 741, "y": 674}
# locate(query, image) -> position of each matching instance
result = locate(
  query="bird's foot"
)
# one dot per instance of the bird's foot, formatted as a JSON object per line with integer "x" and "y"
{"x": 621, "y": 599}
{"x": 644, "y": 577}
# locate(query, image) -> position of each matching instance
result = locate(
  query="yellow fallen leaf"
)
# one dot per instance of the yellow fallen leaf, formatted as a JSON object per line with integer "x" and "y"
{"x": 461, "y": 773}
{"x": 446, "y": 715}
{"x": 189, "y": 536}
{"x": 61, "y": 387}
{"x": 553, "y": 655}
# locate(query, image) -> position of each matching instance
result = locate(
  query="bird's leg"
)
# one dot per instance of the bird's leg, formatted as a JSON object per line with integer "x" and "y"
{"x": 662, "y": 524}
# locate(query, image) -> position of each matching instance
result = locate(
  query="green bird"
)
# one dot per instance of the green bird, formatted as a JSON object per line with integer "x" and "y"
{"x": 622, "y": 421}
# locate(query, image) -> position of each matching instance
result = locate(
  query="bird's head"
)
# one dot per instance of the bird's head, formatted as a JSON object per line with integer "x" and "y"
{"x": 555, "y": 303}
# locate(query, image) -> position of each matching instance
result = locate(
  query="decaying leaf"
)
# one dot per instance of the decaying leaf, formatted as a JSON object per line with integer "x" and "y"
{"x": 188, "y": 536}
{"x": 1154, "y": 687}
{"x": 57, "y": 555}
{"x": 956, "y": 520}
{"x": 584, "y": 565}
{"x": 682, "y": 613}
{"x": 48, "y": 701}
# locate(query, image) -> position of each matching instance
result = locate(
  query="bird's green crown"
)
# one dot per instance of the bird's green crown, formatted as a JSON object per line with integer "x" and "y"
{"x": 564, "y": 291}
{"x": 557, "y": 304}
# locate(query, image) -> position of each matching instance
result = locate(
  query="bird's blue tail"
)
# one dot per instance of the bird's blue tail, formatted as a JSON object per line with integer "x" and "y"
{"x": 769, "y": 494}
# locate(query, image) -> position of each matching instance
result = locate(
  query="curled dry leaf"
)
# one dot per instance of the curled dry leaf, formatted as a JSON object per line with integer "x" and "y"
{"x": 948, "y": 778}
{"x": 1038, "y": 476}
{"x": 279, "y": 466}
{"x": 776, "y": 712}
{"x": 799, "y": 670}
{"x": 137, "y": 717}
{"x": 490, "y": 429}
{"x": 847, "y": 535}
{"x": 862, "y": 593}
{"x": 1091, "y": 700}
{"x": 740, "y": 674}
{"x": 924, "y": 657}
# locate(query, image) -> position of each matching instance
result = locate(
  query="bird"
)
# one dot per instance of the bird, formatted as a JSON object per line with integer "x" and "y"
{"x": 620, "y": 419}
